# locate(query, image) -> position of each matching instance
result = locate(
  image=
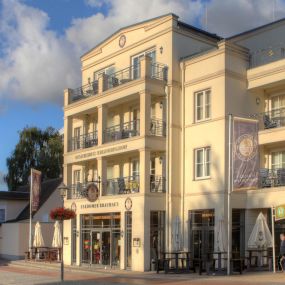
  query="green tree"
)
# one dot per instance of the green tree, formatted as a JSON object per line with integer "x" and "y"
{"x": 39, "y": 149}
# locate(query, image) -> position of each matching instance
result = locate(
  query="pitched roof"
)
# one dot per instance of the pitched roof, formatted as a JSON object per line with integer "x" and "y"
{"x": 47, "y": 188}
{"x": 256, "y": 29}
{"x": 14, "y": 195}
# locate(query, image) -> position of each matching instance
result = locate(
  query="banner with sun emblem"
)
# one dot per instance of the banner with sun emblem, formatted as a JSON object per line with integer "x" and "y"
{"x": 245, "y": 154}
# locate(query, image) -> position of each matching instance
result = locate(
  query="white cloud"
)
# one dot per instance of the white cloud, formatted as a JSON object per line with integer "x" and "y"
{"x": 38, "y": 63}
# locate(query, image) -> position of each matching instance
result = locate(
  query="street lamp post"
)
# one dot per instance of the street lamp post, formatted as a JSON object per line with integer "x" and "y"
{"x": 62, "y": 191}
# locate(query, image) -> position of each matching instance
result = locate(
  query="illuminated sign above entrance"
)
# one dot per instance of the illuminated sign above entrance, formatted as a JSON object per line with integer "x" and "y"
{"x": 100, "y": 205}
{"x": 280, "y": 212}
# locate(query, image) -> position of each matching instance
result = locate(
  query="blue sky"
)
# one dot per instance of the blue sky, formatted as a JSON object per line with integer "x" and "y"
{"x": 41, "y": 42}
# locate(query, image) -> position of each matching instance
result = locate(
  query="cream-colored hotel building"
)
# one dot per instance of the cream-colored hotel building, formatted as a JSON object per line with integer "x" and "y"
{"x": 149, "y": 128}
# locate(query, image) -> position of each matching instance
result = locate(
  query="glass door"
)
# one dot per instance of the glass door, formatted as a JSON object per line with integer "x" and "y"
{"x": 100, "y": 247}
{"x": 95, "y": 247}
{"x": 136, "y": 62}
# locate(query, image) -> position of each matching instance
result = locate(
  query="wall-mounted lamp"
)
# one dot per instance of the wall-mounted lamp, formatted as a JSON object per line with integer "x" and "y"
{"x": 160, "y": 159}
{"x": 257, "y": 100}
{"x": 161, "y": 50}
{"x": 161, "y": 104}
{"x": 122, "y": 234}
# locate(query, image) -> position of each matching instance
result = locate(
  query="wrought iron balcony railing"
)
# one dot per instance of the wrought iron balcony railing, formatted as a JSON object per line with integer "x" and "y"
{"x": 159, "y": 71}
{"x": 123, "y": 76}
{"x": 271, "y": 177}
{"x": 78, "y": 190}
{"x": 157, "y": 183}
{"x": 84, "y": 91}
{"x": 123, "y": 131}
{"x": 267, "y": 55}
{"x": 122, "y": 185}
{"x": 83, "y": 141}
{"x": 272, "y": 119}
{"x": 158, "y": 127}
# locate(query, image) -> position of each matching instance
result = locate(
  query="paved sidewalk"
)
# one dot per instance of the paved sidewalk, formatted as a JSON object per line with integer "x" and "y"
{"x": 27, "y": 274}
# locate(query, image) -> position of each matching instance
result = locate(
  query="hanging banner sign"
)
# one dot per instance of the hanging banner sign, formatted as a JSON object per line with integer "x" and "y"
{"x": 245, "y": 154}
{"x": 35, "y": 189}
{"x": 280, "y": 213}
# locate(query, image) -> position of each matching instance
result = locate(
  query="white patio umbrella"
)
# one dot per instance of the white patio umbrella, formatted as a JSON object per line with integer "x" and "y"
{"x": 38, "y": 237}
{"x": 260, "y": 236}
{"x": 57, "y": 238}
{"x": 176, "y": 237}
{"x": 221, "y": 241}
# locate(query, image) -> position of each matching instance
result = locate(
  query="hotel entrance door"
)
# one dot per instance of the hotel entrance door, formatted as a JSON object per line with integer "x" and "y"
{"x": 100, "y": 247}
{"x": 101, "y": 239}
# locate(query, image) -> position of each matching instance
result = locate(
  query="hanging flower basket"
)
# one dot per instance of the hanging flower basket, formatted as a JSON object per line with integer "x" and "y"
{"x": 61, "y": 214}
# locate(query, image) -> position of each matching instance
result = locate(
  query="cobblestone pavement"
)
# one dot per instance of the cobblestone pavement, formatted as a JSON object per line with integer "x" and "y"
{"x": 30, "y": 275}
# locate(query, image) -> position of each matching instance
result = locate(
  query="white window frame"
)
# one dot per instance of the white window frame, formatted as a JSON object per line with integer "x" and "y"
{"x": 99, "y": 72}
{"x": 203, "y": 105}
{"x": 280, "y": 162}
{"x": 75, "y": 173}
{"x": 204, "y": 163}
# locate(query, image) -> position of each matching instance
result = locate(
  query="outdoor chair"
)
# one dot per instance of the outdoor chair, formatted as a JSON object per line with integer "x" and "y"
{"x": 268, "y": 123}
{"x": 264, "y": 178}
{"x": 115, "y": 81}
{"x": 122, "y": 186}
{"x": 280, "y": 177}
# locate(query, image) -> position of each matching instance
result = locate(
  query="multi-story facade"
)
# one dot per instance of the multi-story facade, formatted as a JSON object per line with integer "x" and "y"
{"x": 149, "y": 128}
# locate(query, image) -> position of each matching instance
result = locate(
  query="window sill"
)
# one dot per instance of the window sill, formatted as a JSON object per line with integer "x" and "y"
{"x": 202, "y": 178}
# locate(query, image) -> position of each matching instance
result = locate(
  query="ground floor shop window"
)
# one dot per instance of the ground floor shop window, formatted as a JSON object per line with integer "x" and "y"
{"x": 157, "y": 234}
{"x": 202, "y": 232}
{"x": 101, "y": 239}
{"x": 238, "y": 232}
{"x": 128, "y": 217}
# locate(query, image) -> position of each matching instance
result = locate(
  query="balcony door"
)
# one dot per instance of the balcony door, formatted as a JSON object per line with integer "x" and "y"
{"x": 278, "y": 160}
{"x": 136, "y": 61}
{"x": 77, "y": 134}
{"x": 278, "y": 109}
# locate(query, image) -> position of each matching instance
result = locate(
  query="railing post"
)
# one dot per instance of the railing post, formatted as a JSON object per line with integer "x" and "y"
{"x": 145, "y": 67}
{"x": 67, "y": 95}
{"x": 145, "y": 106}
{"x": 102, "y": 172}
{"x": 102, "y": 83}
{"x": 102, "y": 118}
{"x": 144, "y": 171}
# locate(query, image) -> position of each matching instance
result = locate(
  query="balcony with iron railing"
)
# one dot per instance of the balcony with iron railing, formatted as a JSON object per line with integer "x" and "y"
{"x": 157, "y": 127}
{"x": 121, "y": 185}
{"x": 122, "y": 131}
{"x": 271, "y": 177}
{"x": 83, "y": 92}
{"x": 267, "y": 55}
{"x": 106, "y": 82}
{"x": 118, "y": 186}
{"x": 271, "y": 119}
{"x": 83, "y": 141}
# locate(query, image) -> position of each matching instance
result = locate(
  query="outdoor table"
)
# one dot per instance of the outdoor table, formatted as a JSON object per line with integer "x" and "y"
{"x": 176, "y": 258}
{"x": 259, "y": 256}
{"x": 220, "y": 253}
{"x": 219, "y": 259}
